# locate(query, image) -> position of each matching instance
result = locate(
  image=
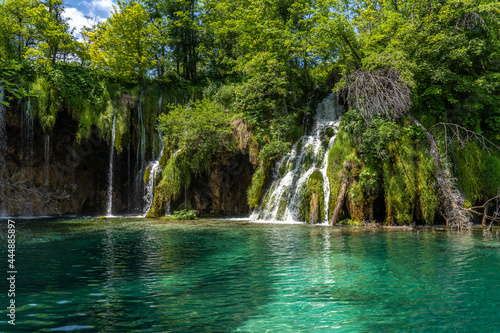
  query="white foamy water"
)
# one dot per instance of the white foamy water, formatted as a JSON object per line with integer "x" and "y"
{"x": 291, "y": 174}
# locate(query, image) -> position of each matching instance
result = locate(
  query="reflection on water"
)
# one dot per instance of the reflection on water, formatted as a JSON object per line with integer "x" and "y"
{"x": 130, "y": 275}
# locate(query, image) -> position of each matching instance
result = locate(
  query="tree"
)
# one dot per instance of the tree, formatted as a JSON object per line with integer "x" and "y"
{"x": 120, "y": 45}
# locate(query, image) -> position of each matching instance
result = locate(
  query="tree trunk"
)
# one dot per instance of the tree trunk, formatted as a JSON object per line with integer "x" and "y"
{"x": 483, "y": 222}
{"x": 340, "y": 202}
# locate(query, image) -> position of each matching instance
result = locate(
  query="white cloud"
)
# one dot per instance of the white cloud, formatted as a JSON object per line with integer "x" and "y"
{"x": 85, "y": 3}
{"x": 77, "y": 19}
{"x": 106, "y": 5}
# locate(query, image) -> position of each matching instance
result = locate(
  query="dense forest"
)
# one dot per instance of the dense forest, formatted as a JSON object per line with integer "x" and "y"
{"x": 419, "y": 82}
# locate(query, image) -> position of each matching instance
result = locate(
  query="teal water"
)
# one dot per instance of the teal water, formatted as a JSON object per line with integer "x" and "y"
{"x": 126, "y": 275}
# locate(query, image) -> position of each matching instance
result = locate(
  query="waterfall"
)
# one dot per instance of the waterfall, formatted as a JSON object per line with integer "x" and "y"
{"x": 291, "y": 173}
{"x": 141, "y": 143}
{"x": 46, "y": 159}
{"x": 28, "y": 150}
{"x": 109, "y": 207}
{"x": 28, "y": 135}
{"x": 155, "y": 169}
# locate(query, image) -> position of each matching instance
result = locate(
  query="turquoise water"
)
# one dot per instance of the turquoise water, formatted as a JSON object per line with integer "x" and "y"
{"x": 127, "y": 275}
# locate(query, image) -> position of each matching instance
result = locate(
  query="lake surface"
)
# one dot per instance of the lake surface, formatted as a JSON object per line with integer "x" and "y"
{"x": 136, "y": 275}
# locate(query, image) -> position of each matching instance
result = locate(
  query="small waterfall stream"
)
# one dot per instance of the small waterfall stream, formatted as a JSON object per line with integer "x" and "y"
{"x": 109, "y": 206}
{"x": 27, "y": 143}
{"x": 309, "y": 154}
{"x": 141, "y": 143}
{"x": 154, "y": 166}
{"x": 154, "y": 170}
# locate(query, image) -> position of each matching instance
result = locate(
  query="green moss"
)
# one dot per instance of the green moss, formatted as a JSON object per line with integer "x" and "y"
{"x": 403, "y": 172}
{"x": 400, "y": 181}
{"x": 427, "y": 192}
{"x": 490, "y": 174}
{"x": 146, "y": 175}
{"x": 175, "y": 177}
{"x": 308, "y": 161}
{"x": 256, "y": 188}
{"x": 284, "y": 167}
{"x": 468, "y": 170}
{"x": 282, "y": 208}
{"x": 342, "y": 150}
{"x": 45, "y": 105}
{"x": 320, "y": 156}
{"x": 313, "y": 198}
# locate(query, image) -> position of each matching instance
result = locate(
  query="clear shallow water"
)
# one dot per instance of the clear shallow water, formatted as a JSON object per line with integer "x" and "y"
{"x": 131, "y": 275}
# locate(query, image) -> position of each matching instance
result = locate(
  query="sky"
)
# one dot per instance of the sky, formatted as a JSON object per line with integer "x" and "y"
{"x": 76, "y": 10}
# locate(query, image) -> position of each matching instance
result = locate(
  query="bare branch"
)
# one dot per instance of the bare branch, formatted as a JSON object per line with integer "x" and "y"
{"x": 471, "y": 20}
{"x": 453, "y": 200}
{"x": 462, "y": 135}
{"x": 381, "y": 92}
{"x": 19, "y": 193}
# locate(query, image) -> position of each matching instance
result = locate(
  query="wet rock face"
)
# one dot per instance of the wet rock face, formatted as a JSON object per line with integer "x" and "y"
{"x": 73, "y": 181}
{"x": 222, "y": 190}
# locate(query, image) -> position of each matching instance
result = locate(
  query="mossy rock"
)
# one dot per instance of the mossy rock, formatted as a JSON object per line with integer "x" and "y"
{"x": 313, "y": 198}
{"x": 257, "y": 186}
{"x": 146, "y": 175}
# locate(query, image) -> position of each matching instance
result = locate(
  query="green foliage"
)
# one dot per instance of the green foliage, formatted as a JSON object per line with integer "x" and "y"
{"x": 256, "y": 189}
{"x": 182, "y": 215}
{"x": 201, "y": 128}
{"x": 396, "y": 165}
{"x": 119, "y": 45}
{"x": 274, "y": 150}
{"x": 342, "y": 150}
{"x": 175, "y": 177}
{"x": 490, "y": 174}
{"x": 10, "y": 71}
{"x": 313, "y": 198}
{"x": 477, "y": 172}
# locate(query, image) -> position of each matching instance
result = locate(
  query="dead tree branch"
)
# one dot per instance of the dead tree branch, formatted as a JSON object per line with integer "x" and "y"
{"x": 461, "y": 135}
{"x": 453, "y": 199}
{"x": 380, "y": 92}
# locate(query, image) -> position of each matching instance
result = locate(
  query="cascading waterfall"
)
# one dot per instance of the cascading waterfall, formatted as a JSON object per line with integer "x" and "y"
{"x": 154, "y": 170}
{"x": 46, "y": 159}
{"x": 109, "y": 206}
{"x": 153, "y": 166}
{"x": 309, "y": 154}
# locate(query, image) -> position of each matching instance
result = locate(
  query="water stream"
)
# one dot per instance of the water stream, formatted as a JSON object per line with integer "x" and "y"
{"x": 149, "y": 191}
{"x": 309, "y": 154}
{"x": 109, "y": 206}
